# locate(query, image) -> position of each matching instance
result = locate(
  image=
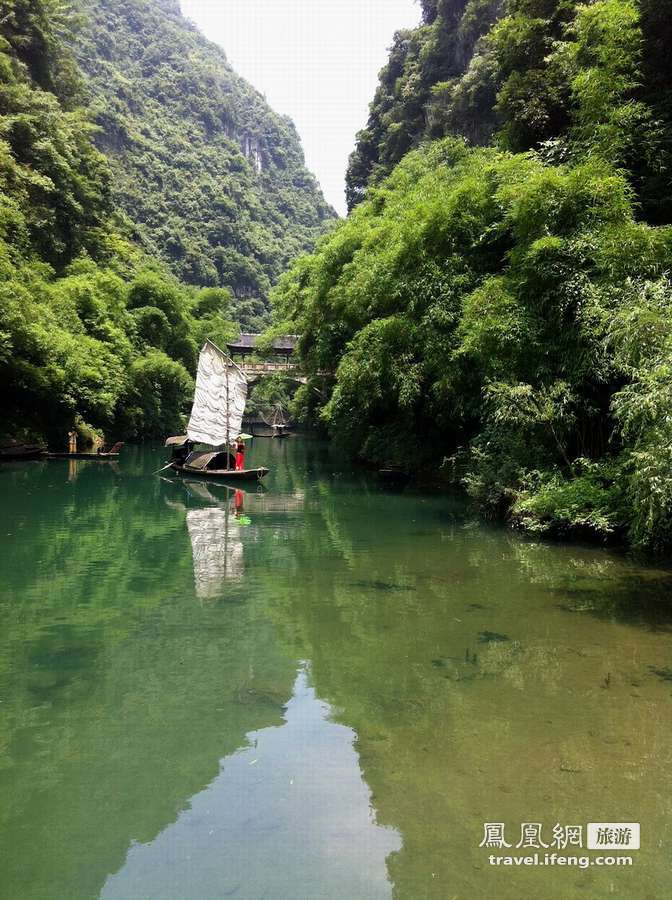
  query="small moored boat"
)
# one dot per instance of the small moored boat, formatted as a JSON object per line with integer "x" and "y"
{"x": 18, "y": 452}
{"x": 281, "y": 431}
{"x": 100, "y": 456}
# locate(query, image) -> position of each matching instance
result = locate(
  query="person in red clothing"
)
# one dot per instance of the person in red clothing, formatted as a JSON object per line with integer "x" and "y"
{"x": 240, "y": 453}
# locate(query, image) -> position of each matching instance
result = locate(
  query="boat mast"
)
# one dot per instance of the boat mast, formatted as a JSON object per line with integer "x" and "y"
{"x": 228, "y": 416}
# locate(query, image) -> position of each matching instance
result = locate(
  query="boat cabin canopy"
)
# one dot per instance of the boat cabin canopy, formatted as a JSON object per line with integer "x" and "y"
{"x": 219, "y": 459}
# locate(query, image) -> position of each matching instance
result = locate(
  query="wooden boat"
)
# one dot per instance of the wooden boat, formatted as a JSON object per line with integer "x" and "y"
{"x": 222, "y": 474}
{"x": 18, "y": 452}
{"x": 218, "y": 465}
{"x": 215, "y": 421}
{"x": 100, "y": 457}
{"x": 277, "y": 422}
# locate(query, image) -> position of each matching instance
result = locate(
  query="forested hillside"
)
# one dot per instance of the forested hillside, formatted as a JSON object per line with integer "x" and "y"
{"x": 529, "y": 74}
{"x": 92, "y": 331}
{"x": 214, "y": 180}
{"x": 506, "y": 308}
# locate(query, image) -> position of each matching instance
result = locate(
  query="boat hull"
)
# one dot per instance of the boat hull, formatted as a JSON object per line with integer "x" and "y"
{"x": 20, "y": 455}
{"x": 222, "y": 474}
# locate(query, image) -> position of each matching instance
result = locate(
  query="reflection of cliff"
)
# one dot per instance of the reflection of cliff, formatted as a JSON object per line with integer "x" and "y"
{"x": 286, "y": 817}
{"x": 120, "y": 694}
{"x": 454, "y": 652}
{"x": 478, "y": 695}
{"x": 93, "y": 774}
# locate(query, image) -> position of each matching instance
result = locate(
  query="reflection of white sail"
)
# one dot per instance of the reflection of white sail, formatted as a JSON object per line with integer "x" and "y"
{"x": 219, "y": 401}
{"x": 217, "y": 550}
{"x": 201, "y": 490}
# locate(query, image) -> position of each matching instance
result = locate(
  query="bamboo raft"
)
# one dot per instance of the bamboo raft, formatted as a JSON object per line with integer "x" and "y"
{"x": 99, "y": 457}
{"x": 18, "y": 452}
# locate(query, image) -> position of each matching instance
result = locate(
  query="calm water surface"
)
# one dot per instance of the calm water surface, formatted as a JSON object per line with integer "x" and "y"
{"x": 319, "y": 691}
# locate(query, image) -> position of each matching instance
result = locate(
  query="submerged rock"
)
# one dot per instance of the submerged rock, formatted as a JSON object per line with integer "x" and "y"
{"x": 443, "y": 662}
{"x": 665, "y": 674}
{"x": 388, "y": 586}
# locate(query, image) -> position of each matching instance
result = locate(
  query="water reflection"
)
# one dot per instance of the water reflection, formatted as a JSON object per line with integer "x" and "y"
{"x": 457, "y": 675}
{"x": 217, "y": 523}
{"x": 288, "y": 816}
{"x": 217, "y": 550}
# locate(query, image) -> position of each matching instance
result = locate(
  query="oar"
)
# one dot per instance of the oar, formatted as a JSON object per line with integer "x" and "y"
{"x": 158, "y": 471}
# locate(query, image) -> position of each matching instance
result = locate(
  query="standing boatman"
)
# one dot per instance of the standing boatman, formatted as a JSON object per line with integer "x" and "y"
{"x": 240, "y": 453}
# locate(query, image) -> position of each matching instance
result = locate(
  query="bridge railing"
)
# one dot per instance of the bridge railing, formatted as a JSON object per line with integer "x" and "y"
{"x": 257, "y": 369}
{"x": 265, "y": 368}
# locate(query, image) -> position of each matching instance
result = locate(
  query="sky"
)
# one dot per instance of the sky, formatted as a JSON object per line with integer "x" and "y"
{"x": 314, "y": 60}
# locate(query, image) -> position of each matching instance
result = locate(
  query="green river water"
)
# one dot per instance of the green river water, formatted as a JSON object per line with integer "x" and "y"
{"x": 324, "y": 695}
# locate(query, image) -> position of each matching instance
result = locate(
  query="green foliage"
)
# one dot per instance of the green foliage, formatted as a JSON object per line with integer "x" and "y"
{"x": 641, "y": 333}
{"x": 90, "y": 333}
{"x": 377, "y": 388}
{"x": 509, "y": 315}
{"x": 438, "y": 81}
{"x": 590, "y": 503}
{"x": 54, "y": 184}
{"x": 520, "y": 294}
{"x": 210, "y": 313}
{"x": 70, "y": 347}
{"x": 214, "y": 181}
{"x": 158, "y": 389}
{"x": 567, "y": 78}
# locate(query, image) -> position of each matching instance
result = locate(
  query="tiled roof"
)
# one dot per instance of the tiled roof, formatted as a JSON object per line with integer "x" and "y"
{"x": 284, "y": 344}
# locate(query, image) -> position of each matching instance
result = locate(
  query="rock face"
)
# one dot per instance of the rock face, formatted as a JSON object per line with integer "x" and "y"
{"x": 214, "y": 180}
{"x": 171, "y": 6}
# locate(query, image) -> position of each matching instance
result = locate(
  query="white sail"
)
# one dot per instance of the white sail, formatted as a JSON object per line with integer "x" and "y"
{"x": 219, "y": 400}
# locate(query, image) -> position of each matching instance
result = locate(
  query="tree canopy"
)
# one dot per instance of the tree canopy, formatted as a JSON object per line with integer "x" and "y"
{"x": 506, "y": 308}
{"x": 558, "y": 76}
{"x": 91, "y": 329}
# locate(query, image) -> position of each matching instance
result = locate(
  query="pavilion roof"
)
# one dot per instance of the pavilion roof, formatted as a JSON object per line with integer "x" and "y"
{"x": 247, "y": 342}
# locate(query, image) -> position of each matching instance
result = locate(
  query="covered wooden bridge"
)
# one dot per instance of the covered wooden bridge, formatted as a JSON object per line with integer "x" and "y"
{"x": 278, "y": 360}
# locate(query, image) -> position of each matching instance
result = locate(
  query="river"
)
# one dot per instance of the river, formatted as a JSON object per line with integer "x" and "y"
{"x": 323, "y": 690}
